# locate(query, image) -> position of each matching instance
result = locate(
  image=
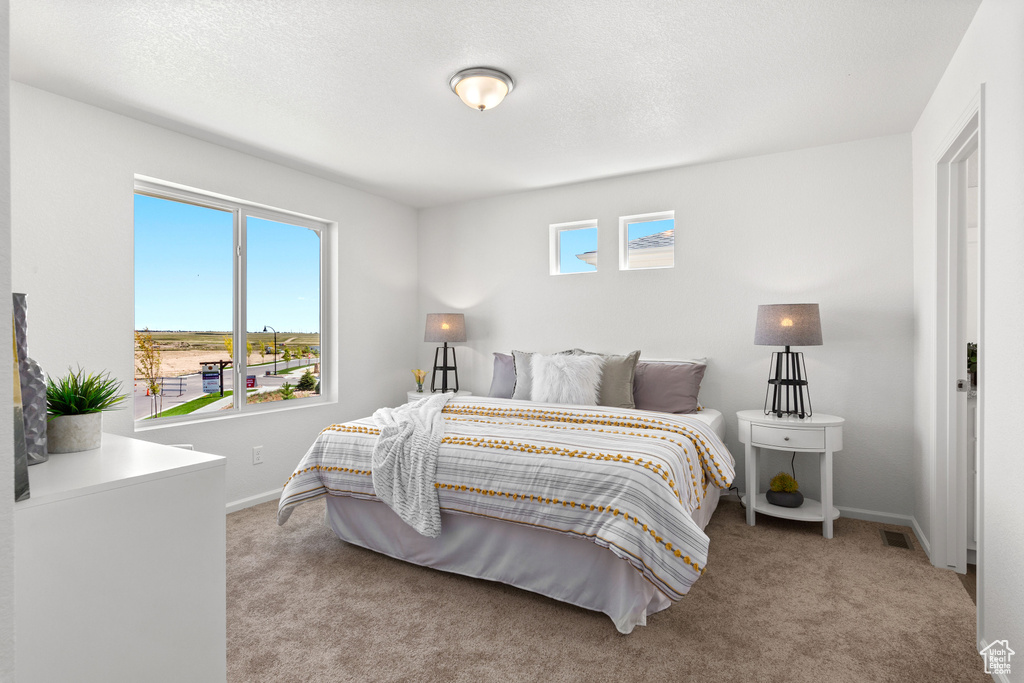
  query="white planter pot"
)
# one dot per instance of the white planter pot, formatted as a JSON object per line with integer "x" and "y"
{"x": 71, "y": 433}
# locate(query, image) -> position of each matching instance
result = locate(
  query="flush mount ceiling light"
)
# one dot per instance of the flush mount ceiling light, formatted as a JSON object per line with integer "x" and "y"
{"x": 481, "y": 88}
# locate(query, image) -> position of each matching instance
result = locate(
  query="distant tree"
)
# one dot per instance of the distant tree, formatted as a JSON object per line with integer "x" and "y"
{"x": 229, "y": 344}
{"x": 307, "y": 382}
{"x": 263, "y": 353}
{"x": 287, "y": 354}
{"x": 147, "y": 364}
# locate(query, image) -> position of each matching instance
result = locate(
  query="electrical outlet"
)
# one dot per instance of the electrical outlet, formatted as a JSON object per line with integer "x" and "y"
{"x": 257, "y": 455}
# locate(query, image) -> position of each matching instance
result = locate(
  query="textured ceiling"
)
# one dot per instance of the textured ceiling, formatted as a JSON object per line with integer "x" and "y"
{"x": 358, "y": 91}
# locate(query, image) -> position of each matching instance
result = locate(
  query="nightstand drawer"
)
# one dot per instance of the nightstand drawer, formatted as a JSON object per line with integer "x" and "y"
{"x": 787, "y": 438}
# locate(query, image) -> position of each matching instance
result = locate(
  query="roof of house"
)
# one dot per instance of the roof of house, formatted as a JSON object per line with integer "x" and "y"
{"x": 658, "y": 239}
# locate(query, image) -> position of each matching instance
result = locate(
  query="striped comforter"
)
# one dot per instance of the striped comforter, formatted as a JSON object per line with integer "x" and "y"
{"x": 624, "y": 479}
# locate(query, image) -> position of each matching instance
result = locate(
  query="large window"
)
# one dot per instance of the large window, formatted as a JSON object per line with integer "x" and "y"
{"x": 647, "y": 241}
{"x": 228, "y": 303}
{"x": 573, "y": 247}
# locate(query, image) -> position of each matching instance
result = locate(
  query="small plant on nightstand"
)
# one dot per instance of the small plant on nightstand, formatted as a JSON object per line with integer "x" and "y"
{"x": 783, "y": 491}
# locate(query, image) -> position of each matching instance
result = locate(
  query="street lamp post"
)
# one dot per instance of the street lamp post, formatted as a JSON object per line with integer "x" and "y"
{"x": 275, "y": 347}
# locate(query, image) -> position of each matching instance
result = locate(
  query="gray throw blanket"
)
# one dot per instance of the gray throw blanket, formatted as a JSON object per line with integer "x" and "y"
{"x": 404, "y": 461}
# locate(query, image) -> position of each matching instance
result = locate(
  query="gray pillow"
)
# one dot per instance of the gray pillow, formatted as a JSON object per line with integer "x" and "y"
{"x": 504, "y": 379}
{"x": 523, "y": 390}
{"x": 667, "y": 387}
{"x": 616, "y": 379}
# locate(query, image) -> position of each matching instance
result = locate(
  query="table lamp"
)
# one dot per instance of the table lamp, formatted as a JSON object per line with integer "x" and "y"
{"x": 788, "y": 325}
{"x": 446, "y": 328}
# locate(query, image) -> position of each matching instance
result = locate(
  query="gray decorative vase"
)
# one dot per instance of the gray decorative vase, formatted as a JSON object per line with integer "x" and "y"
{"x": 785, "y": 499}
{"x": 72, "y": 433}
{"x": 33, "y": 387}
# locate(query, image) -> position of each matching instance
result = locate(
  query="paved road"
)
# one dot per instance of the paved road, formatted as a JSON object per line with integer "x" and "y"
{"x": 194, "y": 386}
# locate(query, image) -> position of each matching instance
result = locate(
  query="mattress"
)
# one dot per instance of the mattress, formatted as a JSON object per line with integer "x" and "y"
{"x": 713, "y": 418}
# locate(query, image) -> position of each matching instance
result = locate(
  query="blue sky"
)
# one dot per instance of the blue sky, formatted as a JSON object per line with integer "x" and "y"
{"x": 574, "y": 242}
{"x": 650, "y": 227}
{"x": 580, "y": 241}
{"x": 184, "y": 270}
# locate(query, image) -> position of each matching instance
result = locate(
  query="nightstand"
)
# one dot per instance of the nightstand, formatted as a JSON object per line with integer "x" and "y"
{"x": 822, "y": 434}
{"x": 415, "y": 395}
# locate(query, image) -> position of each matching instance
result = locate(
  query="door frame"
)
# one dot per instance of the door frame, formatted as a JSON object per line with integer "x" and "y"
{"x": 949, "y": 493}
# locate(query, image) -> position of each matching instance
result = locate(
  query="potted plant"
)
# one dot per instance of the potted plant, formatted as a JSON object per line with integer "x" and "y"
{"x": 784, "y": 492}
{"x": 75, "y": 405}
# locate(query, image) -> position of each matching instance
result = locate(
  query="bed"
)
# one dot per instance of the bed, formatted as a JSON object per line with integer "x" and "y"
{"x": 600, "y": 507}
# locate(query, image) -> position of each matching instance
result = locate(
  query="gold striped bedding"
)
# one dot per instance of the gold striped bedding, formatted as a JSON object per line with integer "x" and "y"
{"x": 627, "y": 480}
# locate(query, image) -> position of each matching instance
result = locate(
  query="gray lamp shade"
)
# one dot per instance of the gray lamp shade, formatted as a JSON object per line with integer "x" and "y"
{"x": 445, "y": 327}
{"x": 788, "y": 325}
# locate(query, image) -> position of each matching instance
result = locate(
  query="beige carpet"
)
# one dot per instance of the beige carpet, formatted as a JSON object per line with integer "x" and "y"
{"x": 777, "y": 603}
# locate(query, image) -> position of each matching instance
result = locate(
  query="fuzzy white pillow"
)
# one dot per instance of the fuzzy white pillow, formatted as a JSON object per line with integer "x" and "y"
{"x": 566, "y": 379}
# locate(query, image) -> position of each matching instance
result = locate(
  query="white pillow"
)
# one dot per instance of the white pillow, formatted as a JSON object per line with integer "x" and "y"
{"x": 566, "y": 379}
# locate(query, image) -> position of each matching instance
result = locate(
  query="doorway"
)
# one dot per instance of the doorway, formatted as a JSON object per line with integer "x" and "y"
{"x": 958, "y": 528}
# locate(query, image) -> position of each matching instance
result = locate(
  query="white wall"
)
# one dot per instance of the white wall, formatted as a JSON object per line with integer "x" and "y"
{"x": 72, "y": 218}
{"x": 830, "y": 225}
{"x": 6, "y": 373}
{"x": 992, "y": 52}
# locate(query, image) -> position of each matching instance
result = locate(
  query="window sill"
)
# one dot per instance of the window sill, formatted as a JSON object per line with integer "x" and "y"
{"x": 255, "y": 411}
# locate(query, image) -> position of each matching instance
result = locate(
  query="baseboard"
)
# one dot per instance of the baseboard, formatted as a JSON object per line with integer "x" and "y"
{"x": 873, "y": 516}
{"x": 1003, "y": 678}
{"x": 253, "y": 500}
{"x": 922, "y": 539}
{"x": 889, "y": 518}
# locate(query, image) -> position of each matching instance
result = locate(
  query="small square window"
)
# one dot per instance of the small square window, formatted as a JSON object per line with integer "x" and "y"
{"x": 574, "y": 247}
{"x": 647, "y": 241}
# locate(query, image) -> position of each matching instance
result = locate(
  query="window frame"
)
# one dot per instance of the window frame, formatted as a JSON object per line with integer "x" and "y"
{"x": 241, "y": 210}
{"x": 555, "y": 231}
{"x": 624, "y": 223}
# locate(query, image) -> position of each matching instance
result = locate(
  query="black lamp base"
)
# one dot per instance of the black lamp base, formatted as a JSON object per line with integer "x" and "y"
{"x": 787, "y": 386}
{"x": 443, "y": 368}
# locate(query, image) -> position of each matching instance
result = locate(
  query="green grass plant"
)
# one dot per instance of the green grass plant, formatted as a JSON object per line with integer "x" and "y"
{"x": 294, "y": 368}
{"x": 78, "y": 393}
{"x": 783, "y": 482}
{"x": 191, "y": 406}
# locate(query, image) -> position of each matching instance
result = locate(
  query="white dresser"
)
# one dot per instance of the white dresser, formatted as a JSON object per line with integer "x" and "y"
{"x": 119, "y": 562}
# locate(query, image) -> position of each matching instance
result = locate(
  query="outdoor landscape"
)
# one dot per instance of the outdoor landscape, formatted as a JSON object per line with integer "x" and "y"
{"x": 168, "y": 365}
{"x": 182, "y": 363}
